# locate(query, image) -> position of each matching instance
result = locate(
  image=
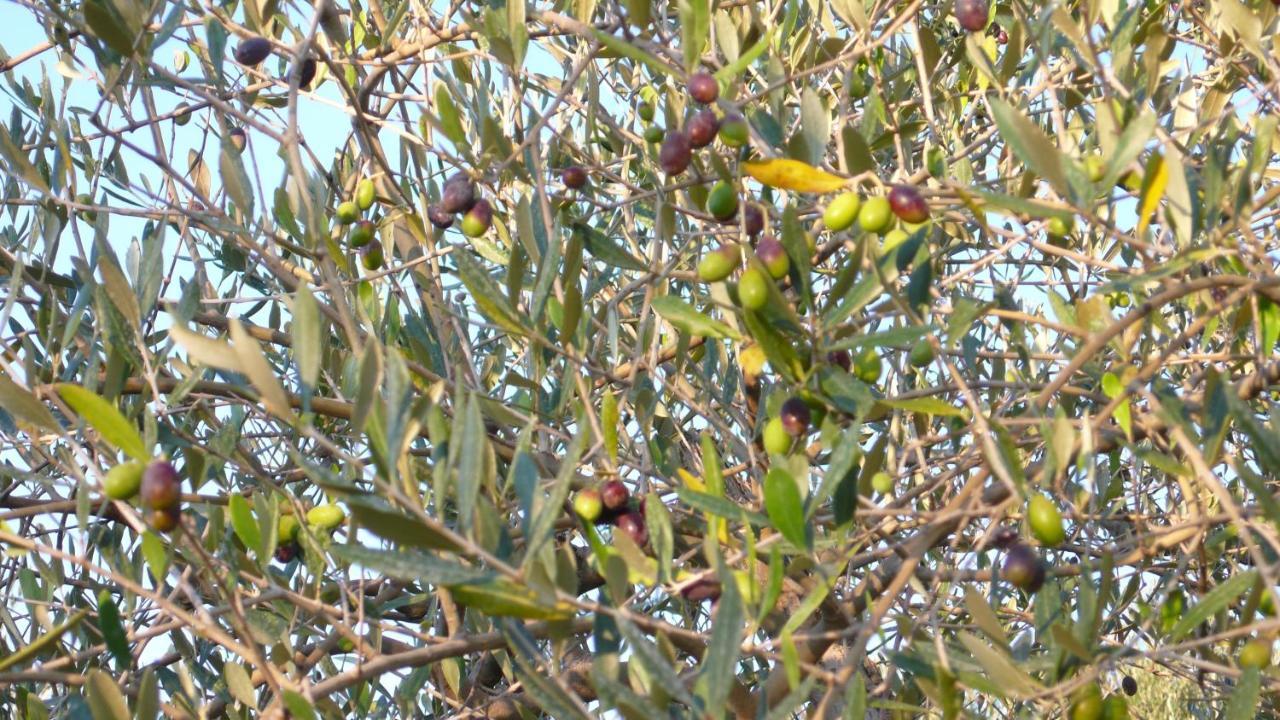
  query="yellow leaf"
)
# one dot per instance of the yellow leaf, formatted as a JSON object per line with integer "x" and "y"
{"x": 691, "y": 481}
{"x": 1153, "y": 184}
{"x": 794, "y": 175}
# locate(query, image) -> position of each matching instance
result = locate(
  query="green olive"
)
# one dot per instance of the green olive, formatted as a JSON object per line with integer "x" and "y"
{"x": 1045, "y": 521}
{"x": 776, "y": 439}
{"x": 753, "y": 288}
{"x": 876, "y": 216}
{"x": 841, "y": 211}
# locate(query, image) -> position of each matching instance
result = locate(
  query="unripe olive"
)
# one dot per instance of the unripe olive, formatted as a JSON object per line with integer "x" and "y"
{"x": 921, "y": 353}
{"x": 867, "y": 365}
{"x": 734, "y": 131}
{"x": 859, "y": 85}
{"x": 160, "y": 487}
{"x": 753, "y": 289}
{"x": 478, "y": 219}
{"x": 841, "y": 211}
{"x": 1045, "y": 521}
{"x": 1255, "y": 654}
{"x": 1095, "y": 168}
{"x": 882, "y": 482}
{"x": 876, "y": 215}
{"x": 1059, "y": 227}
{"x": 361, "y": 233}
{"x": 654, "y": 134}
{"x": 775, "y": 438}
{"x": 646, "y": 111}
{"x": 287, "y": 529}
{"x": 722, "y": 201}
{"x": 1087, "y": 703}
{"x": 588, "y": 505}
{"x": 182, "y": 114}
{"x": 371, "y": 257}
{"x": 325, "y": 517}
{"x": 719, "y": 263}
{"x": 347, "y": 212}
{"x": 1115, "y": 707}
{"x": 123, "y": 481}
{"x": 365, "y": 194}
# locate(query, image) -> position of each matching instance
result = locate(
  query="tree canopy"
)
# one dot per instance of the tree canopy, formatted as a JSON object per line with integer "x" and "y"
{"x": 825, "y": 358}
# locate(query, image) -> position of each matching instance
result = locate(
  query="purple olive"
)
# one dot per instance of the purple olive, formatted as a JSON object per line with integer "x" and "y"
{"x": 614, "y": 494}
{"x": 574, "y": 177}
{"x": 702, "y": 128}
{"x": 908, "y": 204}
{"x": 161, "y": 488}
{"x": 703, "y": 88}
{"x": 632, "y": 523}
{"x": 795, "y": 416}
{"x": 459, "y": 194}
{"x": 676, "y": 153}
{"x": 439, "y": 217}
{"x": 1024, "y": 568}
{"x": 972, "y": 14}
{"x": 752, "y": 219}
{"x": 252, "y": 51}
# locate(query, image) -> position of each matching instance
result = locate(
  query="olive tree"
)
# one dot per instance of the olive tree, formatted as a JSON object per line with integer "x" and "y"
{"x": 839, "y": 358}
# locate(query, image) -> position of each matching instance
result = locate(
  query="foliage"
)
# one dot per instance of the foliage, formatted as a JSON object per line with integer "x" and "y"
{"x": 396, "y": 286}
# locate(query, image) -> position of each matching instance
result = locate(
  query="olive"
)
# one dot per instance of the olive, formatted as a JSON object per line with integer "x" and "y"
{"x": 439, "y": 217}
{"x": 252, "y": 51}
{"x": 753, "y": 289}
{"x": 1045, "y": 521}
{"x": 123, "y": 481}
{"x": 459, "y": 194}
{"x": 702, "y": 128}
{"x": 773, "y": 256}
{"x": 160, "y": 487}
{"x": 361, "y": 233}
{"x": 972, "y": 14}
{"x": 734, "y": 131}
{"x": 876, "y": 215}
{"x": 614, "y": 494}
{"x": 574, "y": 177}
{"x": 676, "y": 152}
{"x": 719, "y": 263}
{"x": 722, "y": 201}
{"x": 795, "y": 416}
{"x": 703, "y": 88}
{"x": 365, "y": 194}
{"x": 347, "y": 212}
{"x": 478, "y": 219}
{"x": 908, "y": 204}
{"x": 776, "y": 439}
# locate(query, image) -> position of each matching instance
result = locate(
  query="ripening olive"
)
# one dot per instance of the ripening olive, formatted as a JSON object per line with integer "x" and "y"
{"x": 719, "y": 263}
{"x": 773, "y": 256}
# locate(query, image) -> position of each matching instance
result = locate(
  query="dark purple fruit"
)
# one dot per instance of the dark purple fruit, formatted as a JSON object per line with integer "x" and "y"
{"x": 702, "y": 128}
{"x": 795, "y": 416}
{"x": 908, "y": 204}
{"x": 574, "y": 177}
{"x": 1004, "y": 538}
{"x": 705, "y": 589}
{"x": 841, "y": 358}
{"x": 161, "y": 488}
{"x": 752, "y": 219}
{"x": 164, "y": 519}
{"x": 286, "y": 552}
{"x": 1002, "y": 37}
{"x": 459, "y": 194}
{"x": 676, "y": 152}
{"x": 1024, "y": 568}
{"x": 632, "y": 523}
{"x": 308, "y": 73}
{"x": 703, "y": 88}
{"x": 439, "y": 217}
{"x": 614, "y": 494}
{"x": 1129, "y": 685}
{"x": 252, "y": 51}
{"x": 972, "y": 14}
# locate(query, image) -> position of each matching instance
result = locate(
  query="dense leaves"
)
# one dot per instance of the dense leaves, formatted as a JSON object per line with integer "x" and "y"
{"x": 641, "y": 359}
